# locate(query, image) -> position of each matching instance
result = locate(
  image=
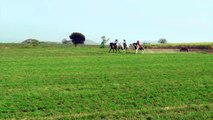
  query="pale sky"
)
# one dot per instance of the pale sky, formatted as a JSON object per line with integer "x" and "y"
{"x": 144, "y": 20}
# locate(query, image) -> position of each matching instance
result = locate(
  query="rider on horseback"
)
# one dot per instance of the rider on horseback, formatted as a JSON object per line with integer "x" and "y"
{"x": 140, "y": 46}
{"x": 116, "y": 43}
{"x": 124, "y": 44}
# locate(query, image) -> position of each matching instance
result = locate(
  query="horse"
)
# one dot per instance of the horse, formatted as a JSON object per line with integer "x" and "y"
{"x": 122, "y": 46}
{"x": 113, "y": 47}
{"x": 118, "y": 47}
{"x": 138, "y": 47}
{"x": 184, "y": 49}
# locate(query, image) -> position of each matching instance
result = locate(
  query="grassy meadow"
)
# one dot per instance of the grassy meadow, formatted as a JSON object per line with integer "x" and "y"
{"x": 63, "y": 82}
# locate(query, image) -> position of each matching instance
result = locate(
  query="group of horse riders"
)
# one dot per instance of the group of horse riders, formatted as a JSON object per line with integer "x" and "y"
{"x": 123, "y": 46}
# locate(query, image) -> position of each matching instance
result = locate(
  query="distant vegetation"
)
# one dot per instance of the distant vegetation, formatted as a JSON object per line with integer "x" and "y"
{"x": 35, "y": 43}
{"x": 207, "y": 45}
{"x": 31, "y": 42}
{"x": 65, "y": 41}
{"x": 77, "y": 38}
{"x": 162, "y": 41}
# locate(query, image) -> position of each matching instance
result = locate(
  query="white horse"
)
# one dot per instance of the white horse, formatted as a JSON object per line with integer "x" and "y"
{"x": 122, "y": 46}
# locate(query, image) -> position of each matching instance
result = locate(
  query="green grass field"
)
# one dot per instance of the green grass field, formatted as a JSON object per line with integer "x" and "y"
{"x": 90, "y": 83}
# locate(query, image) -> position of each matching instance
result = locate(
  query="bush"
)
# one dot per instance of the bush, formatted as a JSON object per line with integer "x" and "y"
{"x": 65, "y": 41}
{"x": 162, "y": 41}
{"x": 31, "y": 42}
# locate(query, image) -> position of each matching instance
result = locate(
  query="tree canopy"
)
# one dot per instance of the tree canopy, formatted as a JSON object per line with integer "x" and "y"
{"x": 77, "y": 38}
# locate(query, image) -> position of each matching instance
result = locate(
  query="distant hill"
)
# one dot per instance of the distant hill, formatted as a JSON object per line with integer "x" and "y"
{"x": 90, "y": 42}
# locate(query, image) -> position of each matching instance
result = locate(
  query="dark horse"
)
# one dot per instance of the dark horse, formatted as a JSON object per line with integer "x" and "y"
{"x": 184, "y": 49}
{"x": 113, "y": 47}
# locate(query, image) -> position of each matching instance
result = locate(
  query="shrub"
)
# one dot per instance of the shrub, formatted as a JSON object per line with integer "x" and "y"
{"x": 65, "y": 41}
{"x": 162, "y": 41}
{"x": 31, "y": 42}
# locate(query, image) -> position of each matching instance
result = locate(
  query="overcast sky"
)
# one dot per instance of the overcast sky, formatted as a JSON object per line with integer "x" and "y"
{"x": 144, "y": 20}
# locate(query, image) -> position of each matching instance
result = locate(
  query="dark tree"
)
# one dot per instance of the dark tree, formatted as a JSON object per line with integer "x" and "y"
{"x": 77, "y": 38}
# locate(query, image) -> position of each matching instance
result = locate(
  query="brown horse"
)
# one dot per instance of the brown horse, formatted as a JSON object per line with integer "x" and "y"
{"x": 184, "y": 49}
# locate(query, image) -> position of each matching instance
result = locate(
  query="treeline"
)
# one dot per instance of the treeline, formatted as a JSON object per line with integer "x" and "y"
{"x": 41, "y": 45}
{"x": 204, "y": 45}
{"x": 22, "y": 45}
